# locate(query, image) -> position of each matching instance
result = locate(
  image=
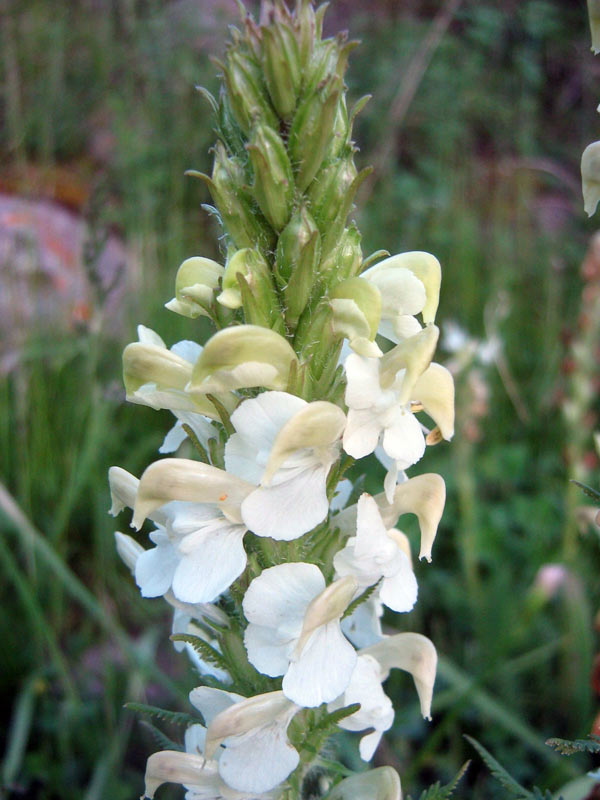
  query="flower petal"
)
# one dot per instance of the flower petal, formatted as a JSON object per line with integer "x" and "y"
{"x": 362, "y": 375}
{"x": 280, "y": 595}
{"x": 382, "y": 783}
{"x": 290, "y": 509}
{"x": 315, "y": 677}
{"x": 216, "y": 560}
{"x": 361, "y": 433}
{"x": 404, "y": 440}
{"x": 154, "y": 569}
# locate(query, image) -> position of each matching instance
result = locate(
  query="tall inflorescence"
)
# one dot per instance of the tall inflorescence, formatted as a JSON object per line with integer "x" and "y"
{"x": 276, "y": 567}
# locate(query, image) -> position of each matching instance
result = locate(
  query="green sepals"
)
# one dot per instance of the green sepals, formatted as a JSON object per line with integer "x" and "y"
{"x": 307, "y": 25}
{"x": 298, "y": 290}
{"x": 246, "y": 90}
{"x": 336, "y": 227}
{"x": 228, "y": 130}
{"x": 273, "y": 187}
{"x": 240, "y": 669}
{"x": 282, "y": 67}
{"x": 376, "y": 256}
{"x": 327, "y": 192}
{"x": 190, "y": 433}
{"x": 244, "y": 223}
{"x": 299, "y": 241}
{"x": 345, "y": 259}
{"x": 312, "y": 129}
{"x": 587, "y": 490}
{"x": 341, "y": 141}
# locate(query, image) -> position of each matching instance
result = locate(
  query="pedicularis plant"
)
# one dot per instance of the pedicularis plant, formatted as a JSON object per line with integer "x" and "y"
{"x": 276, "y": 567}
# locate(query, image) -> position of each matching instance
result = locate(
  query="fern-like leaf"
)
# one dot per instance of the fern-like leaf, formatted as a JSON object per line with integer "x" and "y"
{"x": 203, "y": 648}
{"x": 547, "y": 795}
{"x": 175, "y": 717}
{"x": 439, "y": 792}
{"x": 587, "y": 490}
{"x": 567, "y": 747}
{"x": 498, "y": 771}
{"x": 161, "y": 739}
{"x": 362, "y": 598}
{"x": 335, "y": 717}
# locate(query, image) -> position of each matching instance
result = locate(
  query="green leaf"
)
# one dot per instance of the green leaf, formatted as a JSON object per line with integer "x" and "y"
{"x": 196, "y": 443}
{"x": 439, "y": 792}
{"x": 203, "y": 648}
{"x": 567, "y": 747}
{"x": 335, "y": 717}
{"x": 161, "y": 739}
{"x": 587, "y": 490}
{"x": 362, "y": 598}
{"x": 175, "y": 717}
{"x": 498, "y": 771}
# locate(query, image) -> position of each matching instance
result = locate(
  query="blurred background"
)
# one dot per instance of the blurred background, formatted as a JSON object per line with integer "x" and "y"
{"x": 479, "y": 116}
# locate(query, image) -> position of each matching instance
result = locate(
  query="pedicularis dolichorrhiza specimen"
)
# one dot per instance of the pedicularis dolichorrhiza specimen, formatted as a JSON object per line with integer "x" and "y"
{"x": 276, "y": 567}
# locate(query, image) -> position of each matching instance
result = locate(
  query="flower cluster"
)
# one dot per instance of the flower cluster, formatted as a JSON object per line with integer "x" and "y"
{"x": 276, "y": 568}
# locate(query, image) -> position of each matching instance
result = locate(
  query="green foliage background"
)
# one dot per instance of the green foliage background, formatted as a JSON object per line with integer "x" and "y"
{"x": 481, "y": 170}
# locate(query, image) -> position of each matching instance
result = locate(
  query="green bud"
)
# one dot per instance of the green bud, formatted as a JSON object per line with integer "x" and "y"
{"x": 248, "y": 283}
{"x": 345, "y": 260}
{"x": 307, "y": 25}
{"x": 311, "y": 131}
{"x": 328, "y": 191}
{"x": 298, "y": 248}
{"x": 247, "y": 94}
{"x": 227, "y": 129}
{"x": 356, "y": 305}
{"x": 246, "y": 225}
{"x": 283, "y": 73}
{"x": 195, "y": 284}
{"x": 273, "y": 178}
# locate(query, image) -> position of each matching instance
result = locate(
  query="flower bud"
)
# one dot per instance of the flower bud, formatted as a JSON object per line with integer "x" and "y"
{"x": 356, "y": 308}
{"x": 128, "y": 549}
{"x": 248, "y": 282}
{"x": 382, "y": 783}
{"x": 246, "y": 226}
{"x": 148, "y": 363}
{"x": 590, "y": 177}
{"x": 328, "y": 192}
{"x": 242, "y": 357}
{"x": 311, "y": 131}
{"x": 297, "y": 260}
{"x": 273, "y": 186}
{"x": 345, "y": 259}
{"x": 309, "y": 30}
{"x": 283, "y": 73}
{"x": 247, "y": 93}
{"x": 173, "y": 766}
{"x": 197, "y": 278}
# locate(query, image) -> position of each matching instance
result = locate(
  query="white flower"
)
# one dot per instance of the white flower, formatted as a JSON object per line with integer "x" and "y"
{"x": 378, "y": 554}
{"x": 286, "y": 446}
{"x": 183, "y": 623}
{"x": 200, "y": 425}
{"x": 294, "y": 627}
{"x": 376, "y": 710}
{"x": 258, "y": 755}
{"x": 423, "y": 495}
{"x": 199, "y": 549}
{"x": 375, "y": 411}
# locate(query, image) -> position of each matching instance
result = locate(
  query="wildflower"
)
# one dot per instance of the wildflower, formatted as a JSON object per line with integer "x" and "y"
{"x": 286, "y": 446}
{"x": 294, "y": 627}
{"x": 257, "y": 754}
{"x": 376, "y": 554}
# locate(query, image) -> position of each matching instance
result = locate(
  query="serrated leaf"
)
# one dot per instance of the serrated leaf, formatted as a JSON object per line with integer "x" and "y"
{"x": 498, "y": 771}
{"x": 566, "y": 747}
{"x": 587, "y": 490}
{"x": 203, "y": 648}
{"x": 161, "y": 739}
{"x": 547, "y": 795}
{"x": 175, "y": 717}
{"x": 439, "y": 792}
{"x": 335, "y": 717}
{"x": 362, "y": 598}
